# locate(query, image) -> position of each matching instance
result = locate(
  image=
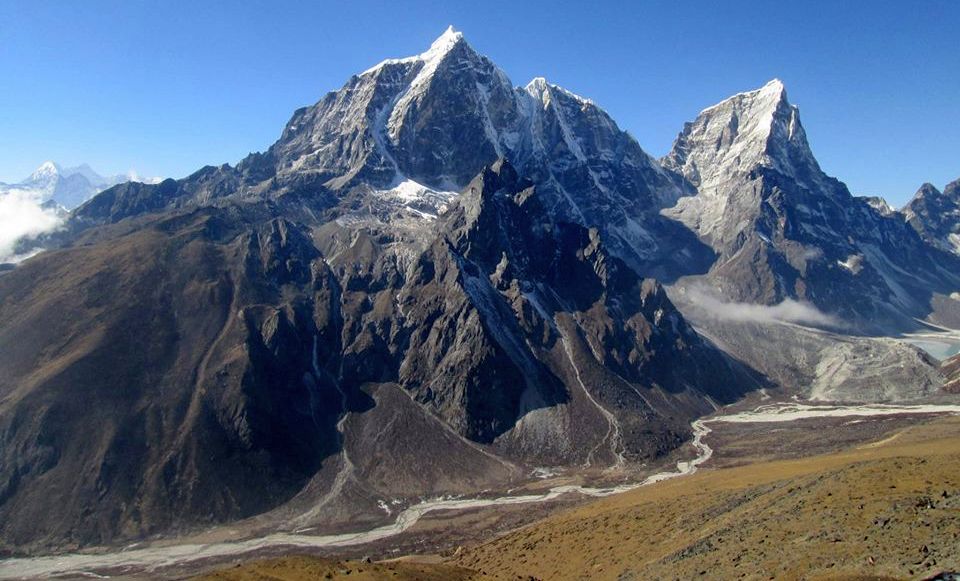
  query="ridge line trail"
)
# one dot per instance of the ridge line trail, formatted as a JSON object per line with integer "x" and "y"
{"x": 150, "y": 559}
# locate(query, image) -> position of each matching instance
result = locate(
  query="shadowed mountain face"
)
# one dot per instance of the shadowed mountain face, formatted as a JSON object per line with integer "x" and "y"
{"x": 155, "y": 379}
{"x": 192, "y": 367}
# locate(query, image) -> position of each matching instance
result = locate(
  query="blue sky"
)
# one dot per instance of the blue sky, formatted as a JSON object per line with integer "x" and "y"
{"x": 166, "y": 87}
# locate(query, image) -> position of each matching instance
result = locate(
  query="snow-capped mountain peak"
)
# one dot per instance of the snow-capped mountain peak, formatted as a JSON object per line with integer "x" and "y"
{"x": 443, "y": 44}
{"x": 68, "y": 186}
{"x": 755, "y": 128}
{"x": 432, "y": 56}
{"x": 48, "y": 170}
{"x": 541, "y": 89}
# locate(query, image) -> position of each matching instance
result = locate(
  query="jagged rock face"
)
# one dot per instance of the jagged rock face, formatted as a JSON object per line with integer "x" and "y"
{"x": 723, "y": 149}
{"x": 530, "y": 286}
{"x": 216, "y": 349}
{"x": 936, "y": 216}
{"x": 400, "y": 138}
{"x": 741, "y": 195}
{"x": 783, "y": 229}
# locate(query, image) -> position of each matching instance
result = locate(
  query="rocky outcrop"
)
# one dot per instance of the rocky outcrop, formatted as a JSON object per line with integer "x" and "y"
{"x": 935, "y": 215}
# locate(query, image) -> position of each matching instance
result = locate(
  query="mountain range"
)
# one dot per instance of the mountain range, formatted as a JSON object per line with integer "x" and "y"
{"x": 434, "y": 283}
{"x": 69, "y": 187}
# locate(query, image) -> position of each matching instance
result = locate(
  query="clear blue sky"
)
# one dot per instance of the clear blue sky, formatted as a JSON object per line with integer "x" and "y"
{"x": 168, "y": 86}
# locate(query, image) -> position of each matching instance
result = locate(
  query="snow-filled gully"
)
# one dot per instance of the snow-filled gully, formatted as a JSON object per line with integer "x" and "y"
{"x": 153, "y": 558}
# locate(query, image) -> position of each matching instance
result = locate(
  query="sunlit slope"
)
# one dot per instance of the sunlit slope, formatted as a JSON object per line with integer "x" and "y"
{"x": 888, "y": 509}
{"x": 297, "y": 568}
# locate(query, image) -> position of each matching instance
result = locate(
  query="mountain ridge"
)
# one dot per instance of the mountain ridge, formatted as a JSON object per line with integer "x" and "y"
{"x": 782, "y": 229}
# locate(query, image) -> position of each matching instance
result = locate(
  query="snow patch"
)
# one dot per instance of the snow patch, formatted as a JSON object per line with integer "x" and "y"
{"x": 421, "y": 202}
{"x": 954, "y": 240}
{"x": 853, "y": 263}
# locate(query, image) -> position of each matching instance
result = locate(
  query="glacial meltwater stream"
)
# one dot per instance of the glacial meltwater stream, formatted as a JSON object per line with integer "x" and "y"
{"x": 154, "y": 558}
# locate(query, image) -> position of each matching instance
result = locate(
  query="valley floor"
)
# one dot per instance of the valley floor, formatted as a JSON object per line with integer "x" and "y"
{"x": 789, "y": 489}
{"x": 889, "y": 508}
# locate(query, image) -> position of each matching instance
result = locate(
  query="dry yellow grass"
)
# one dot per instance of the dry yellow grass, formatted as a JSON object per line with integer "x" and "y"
{"x": 885, "y": 511}
{"x": 299, "y": 568}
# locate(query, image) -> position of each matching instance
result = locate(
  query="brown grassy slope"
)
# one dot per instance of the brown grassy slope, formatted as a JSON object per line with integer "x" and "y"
{"x": 890, "y": 509}
{"x": 297, "y": 568}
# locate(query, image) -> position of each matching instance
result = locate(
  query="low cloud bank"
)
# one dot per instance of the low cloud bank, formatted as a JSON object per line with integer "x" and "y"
{"x": 23, "y": 216}
{"x": 789, "y": 311}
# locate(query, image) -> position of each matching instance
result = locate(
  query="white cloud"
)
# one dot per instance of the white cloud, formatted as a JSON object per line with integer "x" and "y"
{"x": 788, "y": 311}
{"x": 22, "y": 215}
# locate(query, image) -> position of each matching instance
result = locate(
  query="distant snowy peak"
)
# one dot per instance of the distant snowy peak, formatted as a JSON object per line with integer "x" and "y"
{"x": 68, "y": 186}
{"x": 47, "y": 171}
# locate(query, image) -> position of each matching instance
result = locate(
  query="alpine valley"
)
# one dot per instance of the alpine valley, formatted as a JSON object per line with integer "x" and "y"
{"x": 437, "y": 285}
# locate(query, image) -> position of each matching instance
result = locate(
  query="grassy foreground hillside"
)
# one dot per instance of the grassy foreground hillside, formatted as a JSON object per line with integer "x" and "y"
{"x": 301, "y": 567}
{"x": 890, "y": 509}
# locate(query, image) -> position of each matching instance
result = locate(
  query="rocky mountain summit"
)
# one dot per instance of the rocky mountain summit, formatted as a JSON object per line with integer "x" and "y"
{"x": 740, "y": 199}
{"x": 935, "y": 215}
{"x": 402, "y": 137}
{"x": 782, "y": 229}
